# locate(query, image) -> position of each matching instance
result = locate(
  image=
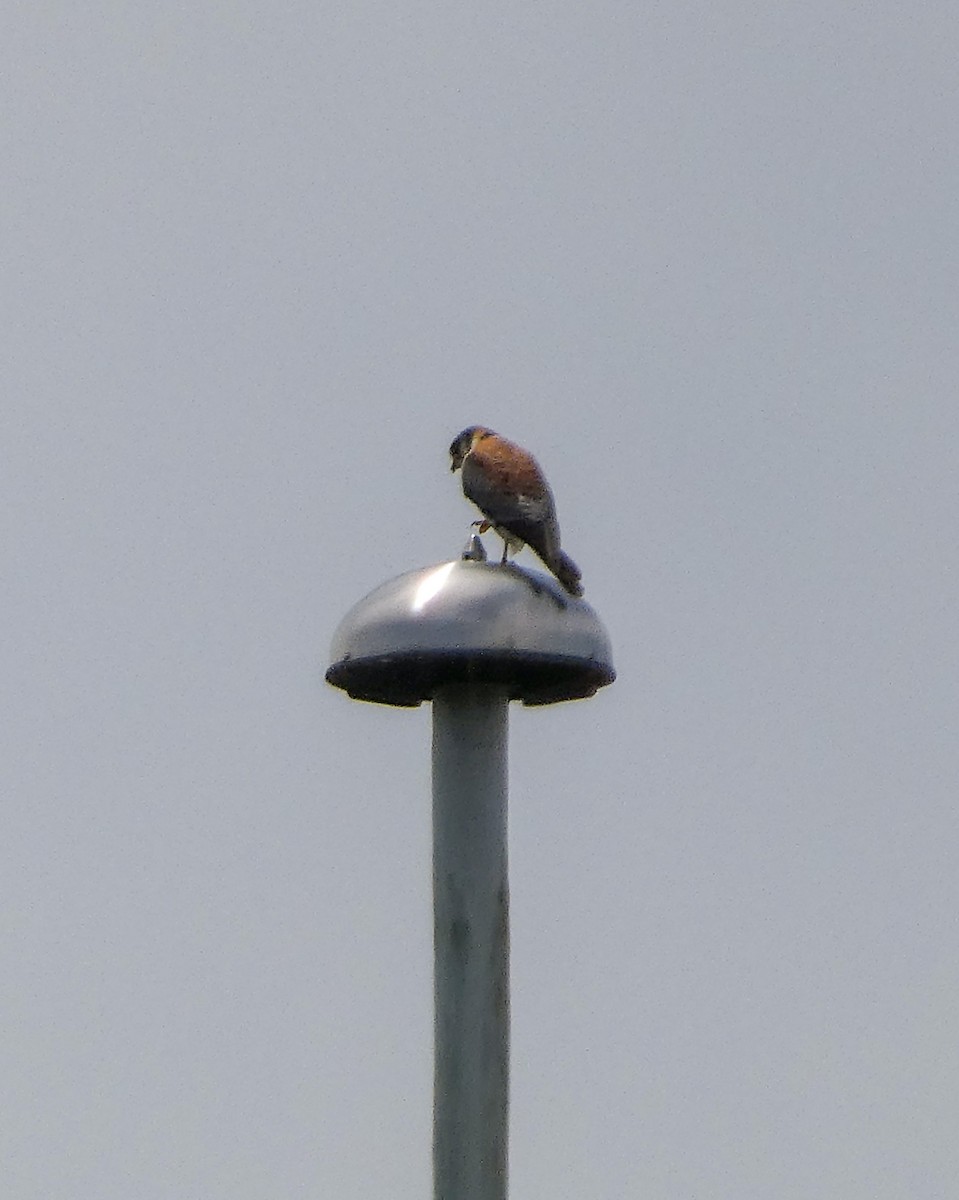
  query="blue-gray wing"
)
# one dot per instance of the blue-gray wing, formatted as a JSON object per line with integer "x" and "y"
{"x": 524, "y": 506}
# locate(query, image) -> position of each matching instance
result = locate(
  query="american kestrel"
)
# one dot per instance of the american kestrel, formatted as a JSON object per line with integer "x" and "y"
{"x": 508, "y": 487}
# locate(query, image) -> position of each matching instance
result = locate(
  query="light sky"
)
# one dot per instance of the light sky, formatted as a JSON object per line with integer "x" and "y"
{"x": 260, "y": 264}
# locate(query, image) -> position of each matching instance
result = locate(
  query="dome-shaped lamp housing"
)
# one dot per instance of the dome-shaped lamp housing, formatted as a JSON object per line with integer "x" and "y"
{"x": 468, "y": 621}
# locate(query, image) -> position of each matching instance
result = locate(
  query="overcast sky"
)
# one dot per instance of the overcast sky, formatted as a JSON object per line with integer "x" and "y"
{"x": 260, "y": 263}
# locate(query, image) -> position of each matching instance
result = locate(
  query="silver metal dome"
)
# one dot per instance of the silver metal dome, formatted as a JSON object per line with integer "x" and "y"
{"x": 470, "y": 621}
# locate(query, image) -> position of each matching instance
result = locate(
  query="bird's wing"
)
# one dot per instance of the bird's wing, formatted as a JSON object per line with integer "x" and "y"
{"x": 507, "y": 485}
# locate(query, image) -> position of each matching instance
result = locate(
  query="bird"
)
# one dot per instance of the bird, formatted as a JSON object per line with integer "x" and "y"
{"x": 506, "y": 484}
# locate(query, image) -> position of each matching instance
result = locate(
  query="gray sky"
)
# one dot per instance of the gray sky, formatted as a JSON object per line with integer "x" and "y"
{"x": 260, "y": 264}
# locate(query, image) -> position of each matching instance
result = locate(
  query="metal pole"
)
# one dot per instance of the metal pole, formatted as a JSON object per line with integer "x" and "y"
{"x": 471, "y": 943}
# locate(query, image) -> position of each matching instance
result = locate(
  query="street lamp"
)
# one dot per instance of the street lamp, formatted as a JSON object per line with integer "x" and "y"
{"x": 470, "y": 636}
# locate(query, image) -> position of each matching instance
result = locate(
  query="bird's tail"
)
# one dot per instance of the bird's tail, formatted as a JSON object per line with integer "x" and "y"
{"x": 567, "y": 572}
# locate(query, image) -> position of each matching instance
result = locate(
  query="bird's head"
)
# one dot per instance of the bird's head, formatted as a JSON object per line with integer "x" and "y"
{"x": 464, "y": 442}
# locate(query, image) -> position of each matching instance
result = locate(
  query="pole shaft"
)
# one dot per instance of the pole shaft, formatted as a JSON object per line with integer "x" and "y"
{"x": 471, "y": 944}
